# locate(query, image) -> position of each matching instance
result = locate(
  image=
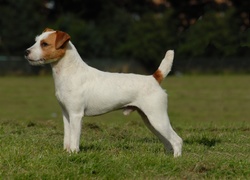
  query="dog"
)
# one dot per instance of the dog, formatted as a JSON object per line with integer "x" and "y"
{"x": 82, "y": 90}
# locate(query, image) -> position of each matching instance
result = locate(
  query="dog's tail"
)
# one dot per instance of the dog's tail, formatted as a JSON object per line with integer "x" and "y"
{"x": 165, "y": 66}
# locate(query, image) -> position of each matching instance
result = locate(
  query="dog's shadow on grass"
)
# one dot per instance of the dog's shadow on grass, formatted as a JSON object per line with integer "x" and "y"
{"x": 208, "y": 142}
{"x": 91, "y": 147}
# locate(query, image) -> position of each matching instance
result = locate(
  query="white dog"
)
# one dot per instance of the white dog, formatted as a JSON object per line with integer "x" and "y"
{"x": 83, "y": 90}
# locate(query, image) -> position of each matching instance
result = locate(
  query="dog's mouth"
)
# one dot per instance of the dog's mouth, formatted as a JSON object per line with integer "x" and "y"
{"x": 36, "y": 62}
{"x": 40, "y": 62}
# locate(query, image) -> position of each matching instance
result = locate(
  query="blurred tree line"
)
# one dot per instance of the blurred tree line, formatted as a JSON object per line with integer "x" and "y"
{"x": 202, "y": 32}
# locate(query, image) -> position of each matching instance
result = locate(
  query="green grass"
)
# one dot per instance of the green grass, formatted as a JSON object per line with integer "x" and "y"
{"x": 210, "y": 113}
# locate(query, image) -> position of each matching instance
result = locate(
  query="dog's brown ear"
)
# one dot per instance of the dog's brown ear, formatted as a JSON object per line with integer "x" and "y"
{"x": 62, "y": 39}
{"x": 48, "y": 29}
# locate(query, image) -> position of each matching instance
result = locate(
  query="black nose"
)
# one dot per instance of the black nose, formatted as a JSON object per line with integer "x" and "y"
{"x": 27, "y": 52}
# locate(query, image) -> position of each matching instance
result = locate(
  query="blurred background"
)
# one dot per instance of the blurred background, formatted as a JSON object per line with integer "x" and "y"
{"x": 208, "y": 36}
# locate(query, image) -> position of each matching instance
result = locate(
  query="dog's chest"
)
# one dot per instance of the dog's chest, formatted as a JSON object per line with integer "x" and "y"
{"x": 61, "y": 96}
{"x": 66, "y": 91}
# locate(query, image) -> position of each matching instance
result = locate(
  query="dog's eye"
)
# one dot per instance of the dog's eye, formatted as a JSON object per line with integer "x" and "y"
{"x": 44, "y": 44}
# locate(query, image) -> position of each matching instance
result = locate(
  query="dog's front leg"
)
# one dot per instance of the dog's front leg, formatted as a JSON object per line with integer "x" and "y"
{"x": 66, "y": 122}
{"x": 75, "y": 132}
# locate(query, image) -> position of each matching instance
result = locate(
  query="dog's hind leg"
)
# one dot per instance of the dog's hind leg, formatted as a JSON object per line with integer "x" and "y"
{"x": 158, "y": 122}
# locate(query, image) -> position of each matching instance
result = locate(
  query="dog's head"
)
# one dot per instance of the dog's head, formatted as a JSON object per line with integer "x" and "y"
{"x": 49, "y": 47}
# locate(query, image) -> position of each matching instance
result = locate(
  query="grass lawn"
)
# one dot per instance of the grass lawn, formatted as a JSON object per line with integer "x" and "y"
{"x": 210, "y": 113}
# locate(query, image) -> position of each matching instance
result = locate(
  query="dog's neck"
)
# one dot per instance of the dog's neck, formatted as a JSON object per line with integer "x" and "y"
{"x": 71, "y": 61}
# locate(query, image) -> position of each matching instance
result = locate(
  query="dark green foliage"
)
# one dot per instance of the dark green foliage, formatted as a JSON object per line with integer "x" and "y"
{"x": 215, "y": 35}
{"x": 140, "y": 30}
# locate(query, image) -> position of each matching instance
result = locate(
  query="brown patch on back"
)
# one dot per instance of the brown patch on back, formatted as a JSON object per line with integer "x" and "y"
{"x": 56, "y": 46}
{"x": 158, "y": 76}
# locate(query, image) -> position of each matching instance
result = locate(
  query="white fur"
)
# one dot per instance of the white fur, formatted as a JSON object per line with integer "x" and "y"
{"x": 166, "y": 64}
{"x": 85, "y": 91}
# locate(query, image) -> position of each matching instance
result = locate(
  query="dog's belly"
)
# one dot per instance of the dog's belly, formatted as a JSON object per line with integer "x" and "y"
{"x": 103, "y": 103}
{"x": 95, "y": 112}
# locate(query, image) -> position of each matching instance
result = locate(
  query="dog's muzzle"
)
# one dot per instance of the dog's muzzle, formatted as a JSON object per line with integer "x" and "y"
{"x": 31, "y": 61}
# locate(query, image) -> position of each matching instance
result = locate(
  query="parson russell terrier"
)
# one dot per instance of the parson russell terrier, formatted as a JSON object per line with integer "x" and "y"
{"x": 85, "y": 91}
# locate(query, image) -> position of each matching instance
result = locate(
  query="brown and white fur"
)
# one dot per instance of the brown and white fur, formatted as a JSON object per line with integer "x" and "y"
{"x": 85, "y": 91}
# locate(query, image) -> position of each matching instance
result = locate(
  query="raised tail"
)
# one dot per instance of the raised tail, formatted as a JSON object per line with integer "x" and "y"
{"x": 165, "y": 66}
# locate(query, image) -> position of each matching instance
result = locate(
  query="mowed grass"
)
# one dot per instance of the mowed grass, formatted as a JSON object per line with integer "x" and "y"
{"x": 210, "y": 113}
